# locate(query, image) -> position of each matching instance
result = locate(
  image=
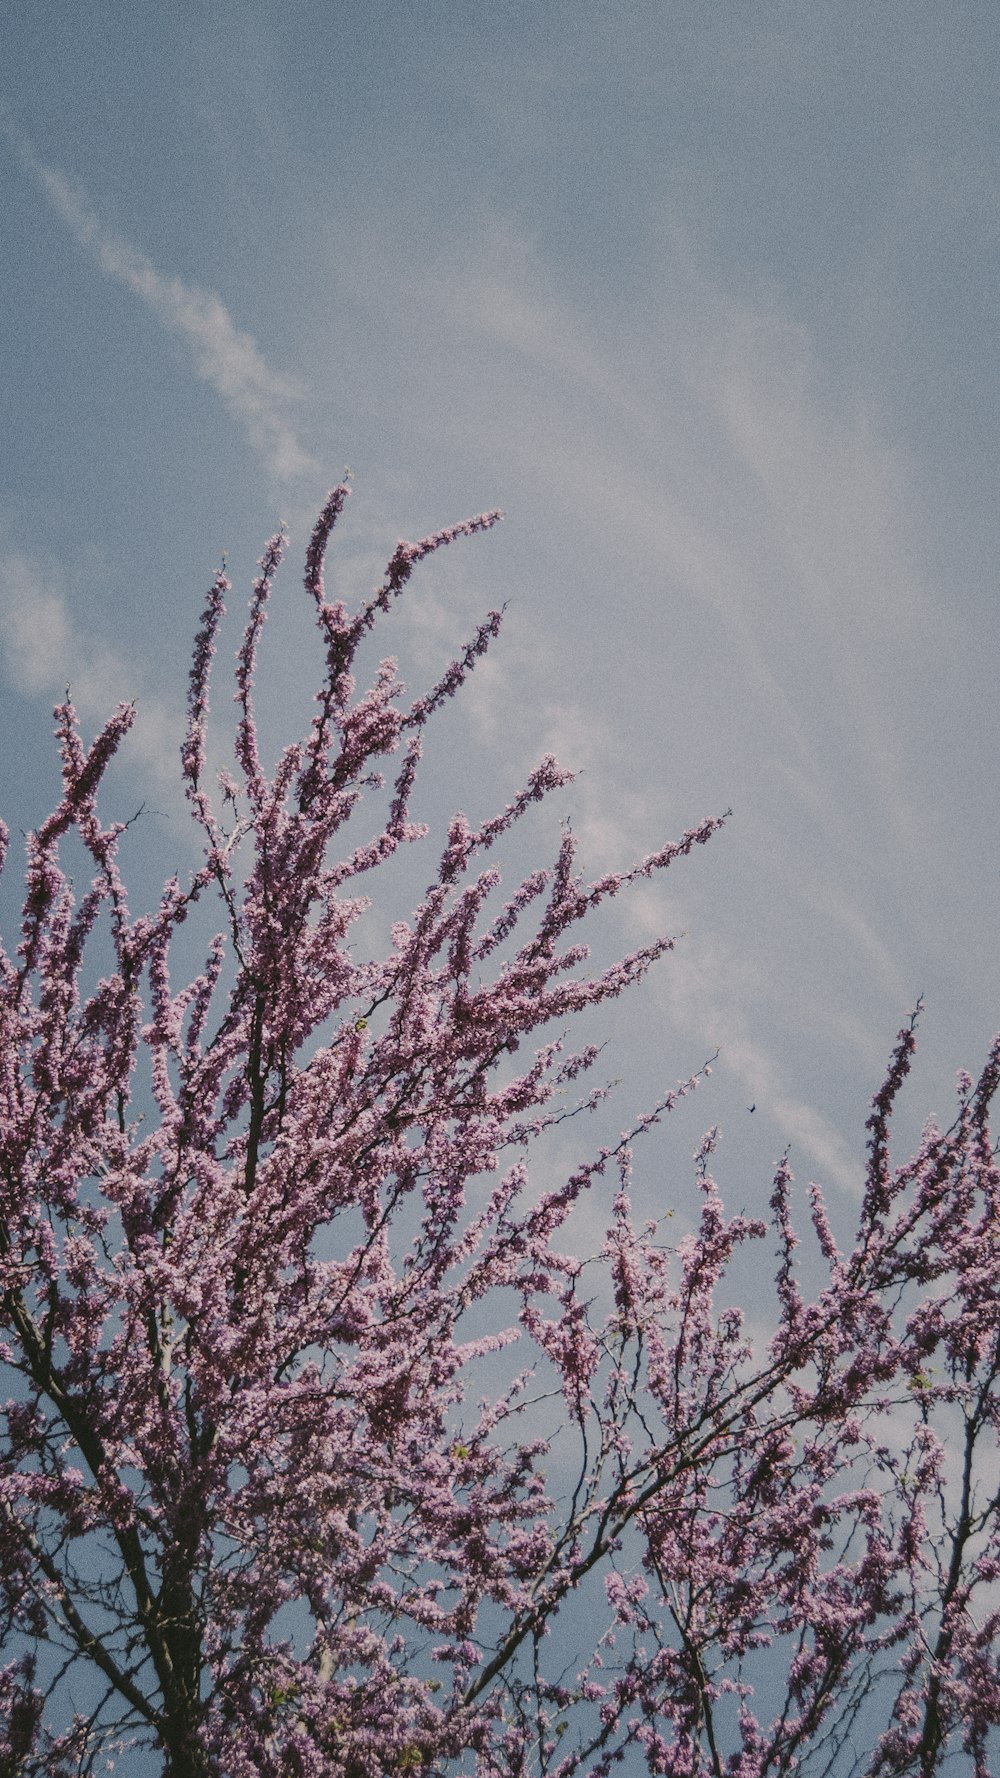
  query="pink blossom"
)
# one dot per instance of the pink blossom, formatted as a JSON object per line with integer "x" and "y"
{"x": 322, "y": 1452}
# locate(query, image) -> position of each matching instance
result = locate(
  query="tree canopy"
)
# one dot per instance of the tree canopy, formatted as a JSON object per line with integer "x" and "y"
{"x": 324, "y": 1453}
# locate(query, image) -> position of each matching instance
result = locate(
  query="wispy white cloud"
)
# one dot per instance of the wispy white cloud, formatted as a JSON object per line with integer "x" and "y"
{"x": 41, "y": 651}
{"x": 705, "y": 449}
{"x": 223, "y": 356}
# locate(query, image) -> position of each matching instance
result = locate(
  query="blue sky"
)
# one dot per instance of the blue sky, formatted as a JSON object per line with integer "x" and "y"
{"x": 704, "y": 296}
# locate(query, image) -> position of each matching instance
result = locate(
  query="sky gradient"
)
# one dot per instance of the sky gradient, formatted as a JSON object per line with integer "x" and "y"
{"x": 704, "y": 296}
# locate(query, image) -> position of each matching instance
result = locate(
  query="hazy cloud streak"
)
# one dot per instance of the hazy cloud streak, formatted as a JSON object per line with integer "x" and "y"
{"x": 224, "y": 357}
{"x": 41, "y": 652}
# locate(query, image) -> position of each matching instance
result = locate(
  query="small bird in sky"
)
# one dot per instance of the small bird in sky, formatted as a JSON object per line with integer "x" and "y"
{"x": 752, "y": 1107}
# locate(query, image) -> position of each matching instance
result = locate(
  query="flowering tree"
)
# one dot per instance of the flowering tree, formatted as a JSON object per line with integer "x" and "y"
{"x": 274, "y": 1498}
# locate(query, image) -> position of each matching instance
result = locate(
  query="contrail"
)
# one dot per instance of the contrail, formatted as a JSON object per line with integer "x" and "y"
{"x": 223, "y": 356}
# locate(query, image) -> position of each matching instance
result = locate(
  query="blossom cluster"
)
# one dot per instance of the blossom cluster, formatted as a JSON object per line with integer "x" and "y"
{"x": 281, "y": 1306}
